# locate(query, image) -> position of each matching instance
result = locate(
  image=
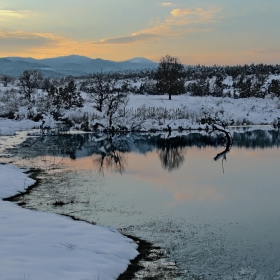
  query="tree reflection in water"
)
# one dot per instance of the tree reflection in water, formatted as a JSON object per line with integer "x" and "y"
{"x": 171, "y": 154}
{"x": 111, "y": 160}
{"x": 110, "y": 157}
{"x": 110, "y": 151}
{"x": 216, "y": 243}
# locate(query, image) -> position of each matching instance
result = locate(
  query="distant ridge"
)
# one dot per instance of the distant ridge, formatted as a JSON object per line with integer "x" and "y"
{"x": 140, "y": 60}
{"x": 74, "y": 65}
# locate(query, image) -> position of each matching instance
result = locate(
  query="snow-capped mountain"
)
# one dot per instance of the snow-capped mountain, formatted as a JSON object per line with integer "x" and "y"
{"x": 140, "y": 60}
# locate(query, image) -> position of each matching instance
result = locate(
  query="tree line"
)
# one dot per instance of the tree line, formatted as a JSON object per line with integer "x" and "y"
{"x": 171, "y": 78}
{"x": 108, "y": 93}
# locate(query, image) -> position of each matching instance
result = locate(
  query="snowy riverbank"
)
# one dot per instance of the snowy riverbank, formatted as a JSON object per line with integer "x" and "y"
{"x": 42, "y": 246}
{"x": 45, "y": 246}
{"x": 156, "y": 112}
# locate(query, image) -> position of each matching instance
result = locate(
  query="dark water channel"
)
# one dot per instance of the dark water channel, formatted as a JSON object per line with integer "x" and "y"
{"x": 215, "y": 219}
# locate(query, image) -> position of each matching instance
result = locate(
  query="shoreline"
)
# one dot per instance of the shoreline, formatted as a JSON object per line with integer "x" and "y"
{"x": 11, "y": 179}
{"x": 36, "y": 247}
{"x": 147, "y": 251}
{"x": 120, "y": 230}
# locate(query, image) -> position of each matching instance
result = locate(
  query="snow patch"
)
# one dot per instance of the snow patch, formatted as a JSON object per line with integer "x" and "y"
{"x": 47, "y": 246}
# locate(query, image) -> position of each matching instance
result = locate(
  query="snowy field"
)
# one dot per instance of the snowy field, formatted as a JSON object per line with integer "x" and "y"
{"x": 45, "y": 246}
{"x": 245, "y": 111}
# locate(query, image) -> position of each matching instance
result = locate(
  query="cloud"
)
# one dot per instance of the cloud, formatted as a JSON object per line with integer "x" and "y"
{"x": 9, "y": 14}
{"x": 179, "y": 23}
{"x": 21, "y": 36}
{"x": 24, "y": 40}
{"x": 40, "y": 44}
{"x": 175, "y": 25}
{"x": 195, "y": 16}
{"x": 166, "y": 4}
{"x": 136, "y": 37}
{"x": 180, "y": 20}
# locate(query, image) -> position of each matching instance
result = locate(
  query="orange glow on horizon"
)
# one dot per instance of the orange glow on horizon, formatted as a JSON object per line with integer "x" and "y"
{"x": 50, "y": 45}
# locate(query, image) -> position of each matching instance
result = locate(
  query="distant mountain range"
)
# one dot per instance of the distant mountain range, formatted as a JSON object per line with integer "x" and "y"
{"x": 74, "y": 65}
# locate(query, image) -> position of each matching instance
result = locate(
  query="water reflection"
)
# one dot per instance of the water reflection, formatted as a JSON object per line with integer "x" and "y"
{"x": 227, "y": 142}
{"x": 109, "y": 151}
{"x": 222, "y": 226}
{"x": 112, "y": 160}
{"x": 171, "y": 158}
{"x": 171, "y": 153}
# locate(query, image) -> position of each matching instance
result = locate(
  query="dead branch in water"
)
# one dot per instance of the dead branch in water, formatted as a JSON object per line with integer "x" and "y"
{"x": 228, "y": 143}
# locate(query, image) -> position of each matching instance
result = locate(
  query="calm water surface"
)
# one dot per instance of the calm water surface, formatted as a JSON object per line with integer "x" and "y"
{"x": 216, "y": 219}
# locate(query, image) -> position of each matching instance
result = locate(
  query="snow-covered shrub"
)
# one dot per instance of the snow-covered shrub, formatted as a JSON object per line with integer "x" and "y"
{"x": 79, "y": 119}
{"x": 11, "y": 102}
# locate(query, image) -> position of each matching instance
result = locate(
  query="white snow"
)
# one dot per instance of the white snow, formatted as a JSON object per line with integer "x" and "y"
{"x": 228, "y": 81}
{"x": 140, "y": 60}
{"x": 9, "y": 127}
{"x": 35, "y": 245}
{"x": 247, "y": 111}
{"x": 254, "y": 111}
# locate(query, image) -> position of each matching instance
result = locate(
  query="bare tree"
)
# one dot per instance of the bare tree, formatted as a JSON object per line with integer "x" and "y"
{"x": 109, "y": 96}
{"x": 116, "y": 102}
{"x": 29, "y": 81}
{"x": 170, "y": 76}
{"x": 101, "y": 87}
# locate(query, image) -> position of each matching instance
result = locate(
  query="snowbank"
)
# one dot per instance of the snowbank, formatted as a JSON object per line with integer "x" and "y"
{"x": 36, "y": 245}
{"x": 9, "y": 127}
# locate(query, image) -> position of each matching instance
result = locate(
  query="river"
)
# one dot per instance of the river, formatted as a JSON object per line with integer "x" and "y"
{"x": 214, "y": 219}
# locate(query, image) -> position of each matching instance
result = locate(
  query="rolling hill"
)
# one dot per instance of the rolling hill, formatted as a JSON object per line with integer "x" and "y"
{"x": 74, "y": 65}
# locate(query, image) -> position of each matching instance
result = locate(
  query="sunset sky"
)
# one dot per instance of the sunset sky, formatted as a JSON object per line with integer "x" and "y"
{"x": 196, "y": 31}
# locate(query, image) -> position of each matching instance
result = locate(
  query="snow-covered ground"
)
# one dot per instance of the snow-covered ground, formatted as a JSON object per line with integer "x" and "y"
{"x": 35, "y": 245}
{"x": 142, "y": 112}
{"x": 9, "y": 127}
{"x": 155, "y": 112}
{"x": 252, "y": 110}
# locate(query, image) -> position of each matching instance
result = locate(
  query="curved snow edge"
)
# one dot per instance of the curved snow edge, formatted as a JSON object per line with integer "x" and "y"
{"x": 36, "y": 245}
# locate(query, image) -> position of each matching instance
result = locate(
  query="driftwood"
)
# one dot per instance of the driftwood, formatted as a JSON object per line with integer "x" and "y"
{"x": 227, "y": 143}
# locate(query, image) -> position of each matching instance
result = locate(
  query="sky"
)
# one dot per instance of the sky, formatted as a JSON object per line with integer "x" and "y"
{"x": 222, "y": 32}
